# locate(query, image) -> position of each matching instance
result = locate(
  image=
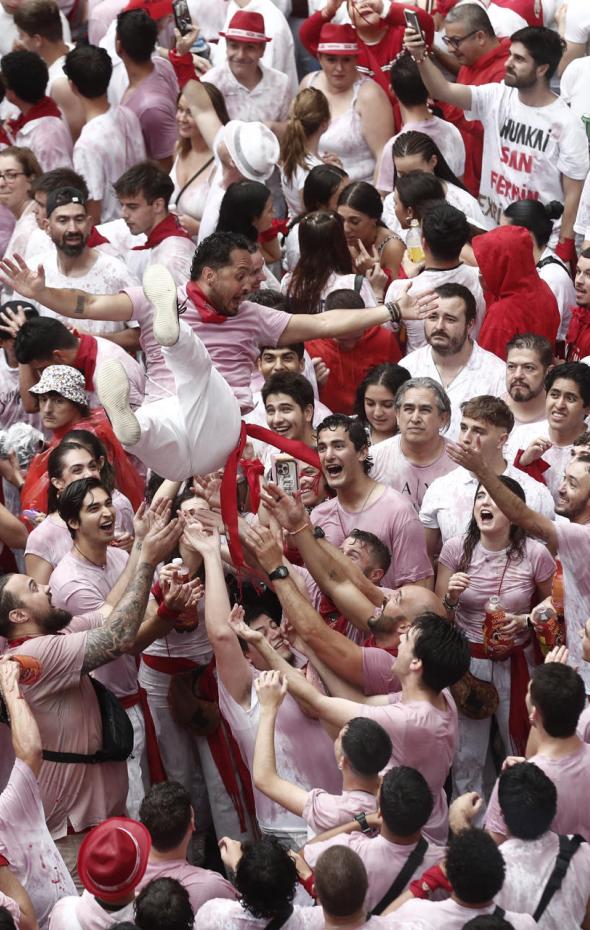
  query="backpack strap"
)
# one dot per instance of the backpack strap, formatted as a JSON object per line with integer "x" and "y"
{"x": 551, "y": 260}
{"x": 567, "y": 849}
{"x": 498, "y": 911}
{"x": 414, "y": 860}
{"x": 358, "y": 282}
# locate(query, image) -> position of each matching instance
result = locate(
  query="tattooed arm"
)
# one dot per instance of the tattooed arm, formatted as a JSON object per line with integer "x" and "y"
{"x": 117, "y": 634}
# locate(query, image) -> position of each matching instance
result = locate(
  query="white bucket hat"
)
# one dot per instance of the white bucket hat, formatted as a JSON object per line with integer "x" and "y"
{"x": 253, "y": 147}
{"x": 64, "y": 380}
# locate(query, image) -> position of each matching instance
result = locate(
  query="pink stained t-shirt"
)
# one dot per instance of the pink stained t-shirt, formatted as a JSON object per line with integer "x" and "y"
{"x": 394, "y": 521}
{"x": 382, "y": 859}
{"x": 80, "y": 586}
{"x": 571, "y": 777}
{"x": 516, "y": 586}
{"x": 378, "y": 676}
{"x": 85, "y": 913}
{"x": 26, "y": 842}
{"x": 107, "y": 350}
{"x": 583, "y": 728}
{"x": 154, "y": 103}
{"x": 201, "y": 884}
{"x": 418, "y": 914}
{"x": 11, "y": 906}
{"x": 573, "y": 546}
{"x": 50, "y": 140}
{"x": 295, "y": 734}
{"x": 426, "y": 739}
{"x": 174, "y": 252}
{"x": 230, "y": 915}
{"x": 64, "y": 704}
{"x": 323, "y": 811}
{"x": 392, "y": 468}
{"x": 233, "y": 345}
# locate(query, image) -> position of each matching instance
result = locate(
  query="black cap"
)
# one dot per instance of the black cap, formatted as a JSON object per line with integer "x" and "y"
{"x": 63, "y": 196}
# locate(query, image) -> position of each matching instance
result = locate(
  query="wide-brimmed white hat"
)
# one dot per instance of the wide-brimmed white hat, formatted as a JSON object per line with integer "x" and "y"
{"x": 253, "y": 147}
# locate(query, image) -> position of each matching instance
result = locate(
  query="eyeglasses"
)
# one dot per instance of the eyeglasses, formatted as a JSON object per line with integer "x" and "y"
{"x": 10, "y": 176}
{"x": 458, "y": 42}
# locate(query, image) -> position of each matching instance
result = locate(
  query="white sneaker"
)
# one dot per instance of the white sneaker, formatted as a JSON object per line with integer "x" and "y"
{"x": 112, "y": 387}
{"x": 160, "y": 289}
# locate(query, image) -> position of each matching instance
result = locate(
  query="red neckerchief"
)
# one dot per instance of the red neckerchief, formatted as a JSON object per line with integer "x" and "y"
{"x": 95, "y": 238}
{"x": 85, "y": 360}
{"x": 206, "y": 311}
{"x": 15, "y": 643}
{"x": 579, "y": 323}
{"x": 370, "y": 643}
{"x": 44, "y": 107}
{"x": 166, "y": 229}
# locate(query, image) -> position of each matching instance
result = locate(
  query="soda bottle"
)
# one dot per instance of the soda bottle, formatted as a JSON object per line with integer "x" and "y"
{"x": 557, "y": 591}
{"x": 550, "y": 632}
{"x": 181, "y": 571}
{"x": 414, "y": 243}
{"x": 496, "y": 643}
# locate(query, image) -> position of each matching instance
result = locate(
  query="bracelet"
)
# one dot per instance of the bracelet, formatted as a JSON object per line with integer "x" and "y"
{"x": 394, "y": 310}
{"x": 304, "y": 526}
{"x": 309, "y": 885}
{"x": 449, "y": 604}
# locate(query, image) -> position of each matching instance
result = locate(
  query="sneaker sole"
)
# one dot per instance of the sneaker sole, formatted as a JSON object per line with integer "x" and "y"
{"x": 112, "y": 387}
{"x": 160, "y": 289}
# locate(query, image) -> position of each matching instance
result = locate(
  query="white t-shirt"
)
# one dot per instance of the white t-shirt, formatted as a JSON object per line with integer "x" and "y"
{"x": 582, "y": 224}
{"x": 445, "y": 134}
{"x": 293, "y": 189}
{"x": 577, "y": 22}
{"x": 526, "y": 149}
{"x": 456, "y": 196}
{"x": 556, "y": 275}
{"x": 574, "y": 86}
{"x": 557, "y": 457}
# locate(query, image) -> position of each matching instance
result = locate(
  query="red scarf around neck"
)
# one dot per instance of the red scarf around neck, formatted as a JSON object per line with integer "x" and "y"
{"x": 95, "y": 238}
{"x": 44, "y": 107}
{"x": 166, "y": 229}
{"x": 206, "y": 311}
{"x": 85, "y": 360}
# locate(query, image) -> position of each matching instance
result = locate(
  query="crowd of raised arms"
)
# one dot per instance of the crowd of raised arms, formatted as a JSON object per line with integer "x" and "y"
{"x": 294, "y": 464}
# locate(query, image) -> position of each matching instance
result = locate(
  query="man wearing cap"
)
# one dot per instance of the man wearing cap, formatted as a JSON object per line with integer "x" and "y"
{"x": 39, "y": 125}
{"x": 251, "y": 89}
{"x": 111, "y": 140}
{"x": 111, "y": 863}
{"x": 153, "y": 88}
{"x": 72, "y": 261}
{"x": 278, "y": 54}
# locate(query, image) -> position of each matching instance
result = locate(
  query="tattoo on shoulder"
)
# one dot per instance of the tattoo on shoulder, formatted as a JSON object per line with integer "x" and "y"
{"x": 118, "y": 632}
{"x": 80, "y": 303}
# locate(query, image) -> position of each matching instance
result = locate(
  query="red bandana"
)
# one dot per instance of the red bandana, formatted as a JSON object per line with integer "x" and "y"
{"x": 206, "y": 311}
{"x": 95, "y": 238}
{"x": 167, "y": 229}
{"x": 45, "y": 107}
{"x": 85, "y": 360}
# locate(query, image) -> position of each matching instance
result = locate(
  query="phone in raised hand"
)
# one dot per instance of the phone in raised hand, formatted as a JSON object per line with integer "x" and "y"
{"x": 182, "y": 16}
{"x": 412, "y": 21}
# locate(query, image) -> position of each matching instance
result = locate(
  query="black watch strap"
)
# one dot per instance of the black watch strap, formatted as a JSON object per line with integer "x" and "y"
{"x": 361, "y": 819}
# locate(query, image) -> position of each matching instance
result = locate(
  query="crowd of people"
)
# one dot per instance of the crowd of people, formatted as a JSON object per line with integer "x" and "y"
{"x": 295, "y": 464}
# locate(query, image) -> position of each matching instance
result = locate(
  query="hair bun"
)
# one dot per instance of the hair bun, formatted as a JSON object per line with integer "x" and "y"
{"x": 554, "y": 209}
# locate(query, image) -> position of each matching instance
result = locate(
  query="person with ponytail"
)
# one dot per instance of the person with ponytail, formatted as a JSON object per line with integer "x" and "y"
{"x": 538, "y": 219}
{"x": 415, "y": 151}
{"x": 309, "y": 117}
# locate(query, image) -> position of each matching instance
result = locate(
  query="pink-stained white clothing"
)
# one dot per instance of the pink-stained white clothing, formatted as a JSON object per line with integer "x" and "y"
{"x": 429, "y": 279}
{"x": 278, "y": 54}
{"x": 26, "y": 842}
{"x": 445, "y": 134}
{"x": 233, "y": 345}
{"x": 583, "y": 728}
{"x": 383, "y": 859}
{"x": 11, "y": 906}
{"x": 85, "y": 913}
{"x": 526, "y": 149}
{"x": 335, "y": 283}
{"x": 11, "y": 407}
{"x": 571, "y": 776}
{"x": 557, "y": 276}
{"x": 324, "y": 811}
{"x": 392, "y": 468}
{"x": 378, "y": 676}
{"x": 25, "y": 225}
{"x": 108, "y": 145}
{"x": 293, "y": 189}
{"x": 267, "y": 102}
{"x": 231, "y": 916}
{"x": 344, "y": 137}
{"x": 50, "y": 139}
{"x": 201, "y": 884}
{"x": 529, "y": 864}
{"x": 456, "y": 196}
{"x": 484, "y": 373}
{"x": 447, "y": 505}
{"x": 418, "y": 914}
{"x": 294, "y": 732}
{"x": 107, "y": 350}
{"x": 392, "y": 518}
{"x": 425, "y": 738}
{"x": 557, "y": 457}
{"x": 100, "y": 17}
{"x": 106, "y": 276}
{"x": 193, "y": 432}
{"x": 154, "y": 103}
{"x": 175, "y": 253}
{"x": 573, "y": 546}
{"x": 64, "y": 704}
{"x": 7, "y": 221}
{"x": 192, "y": 200}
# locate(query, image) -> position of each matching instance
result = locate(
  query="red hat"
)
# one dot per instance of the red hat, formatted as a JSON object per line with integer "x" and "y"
{"x": 157, "y": 9}
{"x": 113, "y": 858}
{"x": 246, "y": 27}
{"x": 338, "y": 40}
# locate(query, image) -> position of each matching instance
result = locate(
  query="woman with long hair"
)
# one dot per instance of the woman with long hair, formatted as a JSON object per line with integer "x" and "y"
{"x": 247, "y": 208}
{"x": 324, "y": 265}
{"x": 375, "y": 400}
{"x": 309, "y": 117}
{"x": 321, "y": 190}
{"x": 415, "y": 151}
{"x": 18, "y": 169}
{"x": 193, "y": 166}
{"x": 369, "y": 240}
{"x": 81, "y": 454}
{"x": 538, "y": 218}
{"x": 494, "y": 557}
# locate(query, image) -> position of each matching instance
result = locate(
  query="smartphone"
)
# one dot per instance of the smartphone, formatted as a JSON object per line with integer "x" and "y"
{"x": 412, "y": 21}
{"x": 284, "y": 473}
{"x": 182, "y": 16}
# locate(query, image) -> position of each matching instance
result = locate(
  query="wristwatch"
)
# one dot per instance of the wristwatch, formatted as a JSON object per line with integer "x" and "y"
{"x": 361, "y": 819}
{"x": 318, "y": 532}
{"x": 278, "y": 573}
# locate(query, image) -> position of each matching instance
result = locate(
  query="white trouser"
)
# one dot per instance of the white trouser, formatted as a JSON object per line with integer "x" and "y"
{"x": 137, "y": 767}
{"x": 194, "y": 432}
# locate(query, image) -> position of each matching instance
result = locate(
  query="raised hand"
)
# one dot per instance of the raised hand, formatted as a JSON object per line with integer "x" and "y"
{"x": 416, "y": 306}
{"x": 535, "y": 450}
{"x": 271, "y": 688}
{"x": 287, "y": 509}
{"x": 241, "y": 629}
{"x": 13, "y": 320}
{"x": 161, "y": 541}
{"x": 463, "y": 810}
{"x": 558, "y": 654}
{"x": 156, "y": 515}
{"x": 180, "y": 597}
{"x": 15, "y": 273}
{"x": 206, "y": 542}
{"x": 470, "y": 458}
{"x": 457, "y": 583}
{"x": 9, "y": 676}
{"x": 322, "y": 371}
{"x": 263, "y": 543}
